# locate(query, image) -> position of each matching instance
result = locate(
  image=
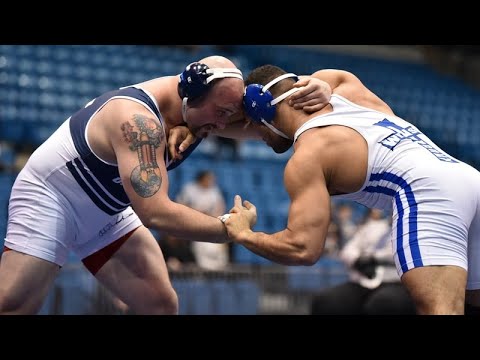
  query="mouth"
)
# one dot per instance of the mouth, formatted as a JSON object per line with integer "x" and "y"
{"x": 201, "y": 134}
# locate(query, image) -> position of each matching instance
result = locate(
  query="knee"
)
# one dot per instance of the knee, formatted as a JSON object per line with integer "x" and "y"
{"x": 6, "y": 306}
{"x": 162, "y": 303}
{"x": 11, "y": 305}
{"x": 169, "y": 305}
{"x": 439, "y": 307}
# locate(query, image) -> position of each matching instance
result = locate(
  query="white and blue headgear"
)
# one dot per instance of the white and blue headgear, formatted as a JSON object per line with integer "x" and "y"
{"x": 259, "y": 103}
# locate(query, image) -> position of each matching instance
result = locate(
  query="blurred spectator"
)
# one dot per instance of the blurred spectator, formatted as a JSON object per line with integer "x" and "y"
{"x": 176, "y": 252}
{"x": 374, "y": 287}
{"x": 227, "y": 148}
{"x": 332, "y": 241}
{"x": 343, "y": 216}
{"x": 203, "y": 194}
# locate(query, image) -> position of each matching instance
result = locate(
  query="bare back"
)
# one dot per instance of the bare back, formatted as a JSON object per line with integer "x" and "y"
{"x": 350, "y": 87}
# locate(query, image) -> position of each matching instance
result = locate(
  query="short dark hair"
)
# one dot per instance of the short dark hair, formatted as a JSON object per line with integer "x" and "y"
{"x": 262, "y": 75}
{"x": 201, "y": 174}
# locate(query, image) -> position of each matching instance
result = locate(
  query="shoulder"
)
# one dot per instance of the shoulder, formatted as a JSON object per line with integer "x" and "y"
{"x": 320, "y": 148}
{"x": 132, "y": 118}
{"x": 322, "y": 140}
{"x": 125, "y": 108}
{"x": 308, "y": 159}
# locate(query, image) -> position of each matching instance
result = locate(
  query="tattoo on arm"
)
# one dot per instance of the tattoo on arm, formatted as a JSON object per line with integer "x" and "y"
{"x": 144, "y": 138}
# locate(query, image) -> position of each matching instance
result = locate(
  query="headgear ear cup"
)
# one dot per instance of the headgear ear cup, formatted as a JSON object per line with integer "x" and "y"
{"x": 257, "y": 103}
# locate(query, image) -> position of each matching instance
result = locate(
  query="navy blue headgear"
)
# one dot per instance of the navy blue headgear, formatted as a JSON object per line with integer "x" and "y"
{"x": 259, "y": 103}
{"x": 195, "y": 79}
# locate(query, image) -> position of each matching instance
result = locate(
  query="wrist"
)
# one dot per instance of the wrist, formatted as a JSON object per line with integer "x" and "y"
{"x": 223, "y": 217}
{"x": 244, "y": 237}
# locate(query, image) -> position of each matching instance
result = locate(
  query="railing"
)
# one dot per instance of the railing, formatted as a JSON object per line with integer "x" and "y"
{"x": 238, "y": 290}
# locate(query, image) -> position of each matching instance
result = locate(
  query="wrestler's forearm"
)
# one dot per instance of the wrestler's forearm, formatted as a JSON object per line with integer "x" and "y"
{"x": 277, "y": 247}
{"x": 186, "y": 223}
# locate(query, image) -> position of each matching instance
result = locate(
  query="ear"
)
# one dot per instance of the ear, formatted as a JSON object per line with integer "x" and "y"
{"x": 257, "y": 103}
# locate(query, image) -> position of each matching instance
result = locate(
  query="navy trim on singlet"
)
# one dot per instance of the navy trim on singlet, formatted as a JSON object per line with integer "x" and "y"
{"x": 79, "y": 120}
{"x": 101, "y": 181}
{"x": 186, "y": 154}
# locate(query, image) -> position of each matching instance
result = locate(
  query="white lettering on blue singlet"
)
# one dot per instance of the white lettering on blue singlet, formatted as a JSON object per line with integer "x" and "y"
{"x": 413, "y": 134}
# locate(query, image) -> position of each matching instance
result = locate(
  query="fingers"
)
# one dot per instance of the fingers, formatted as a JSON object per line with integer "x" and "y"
{"x": 303, "y": 81}
{"x": 308, "y": 100}
{"x": 189, "y": 140}
{"x": 172, "y": 151}
{"x": 237, "y": 201}
{"x": 311, "y": 102}
{"x": 247, "y": 204}
{"x": 313, "y": 108}
{"x": 301, "y": 95}
{"x": 250, "y": 207}
{"x": 238, "y": 207}
{"x": 172, "y": 145}
{"x": 174, "y": 154}
{"x": 174, "y": 137}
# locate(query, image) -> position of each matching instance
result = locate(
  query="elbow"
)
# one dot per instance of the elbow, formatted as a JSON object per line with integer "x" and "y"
{"x": 154, "y": 221}
{"x": 155, "y": 217}
{"x": 147, "y": 220}
{"x": 308, "y": 258}
{"x": 150, "y": 219}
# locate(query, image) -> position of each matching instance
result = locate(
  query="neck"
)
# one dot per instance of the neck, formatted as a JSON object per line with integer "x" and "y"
{"x": 275, "y": 130}
{"x": 288, "y": 120}
{"x": 164, "y": 90}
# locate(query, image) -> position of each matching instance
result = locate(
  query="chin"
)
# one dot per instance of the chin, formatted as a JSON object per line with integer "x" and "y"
{"x": 281, "y": 146}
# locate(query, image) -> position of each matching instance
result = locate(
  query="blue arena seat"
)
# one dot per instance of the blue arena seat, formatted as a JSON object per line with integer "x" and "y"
{"x": 247, "y": 295}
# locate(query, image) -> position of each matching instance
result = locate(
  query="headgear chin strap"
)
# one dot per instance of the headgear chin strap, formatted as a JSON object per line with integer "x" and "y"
{"x": 195, "y": 81}
{"x": 259, "y": 103}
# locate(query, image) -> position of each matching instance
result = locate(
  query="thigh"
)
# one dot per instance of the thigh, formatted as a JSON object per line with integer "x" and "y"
{"x": 137, "y": 273}
{"x": 38, "y": 224}
{"x": 343, "y": 299}
{"x": 437, "y": 289}
{"x": 430, "y": 241}
{"x": 432, "y": 217}
{"x": 389, "y": 299}
{"x": 426, "y": 234}
{"x": 25, "y": 282}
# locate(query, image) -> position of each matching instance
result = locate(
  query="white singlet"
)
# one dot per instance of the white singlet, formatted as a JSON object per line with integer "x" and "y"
{"x": 435, "y": 197}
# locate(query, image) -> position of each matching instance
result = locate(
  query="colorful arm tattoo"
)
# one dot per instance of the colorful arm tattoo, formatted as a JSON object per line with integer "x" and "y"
{"x": 144, "y": 138}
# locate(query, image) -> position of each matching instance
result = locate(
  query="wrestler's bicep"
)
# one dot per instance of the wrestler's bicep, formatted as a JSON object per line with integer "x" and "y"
{"x": 309, "y": 212}
{"x": 140, "y": 151}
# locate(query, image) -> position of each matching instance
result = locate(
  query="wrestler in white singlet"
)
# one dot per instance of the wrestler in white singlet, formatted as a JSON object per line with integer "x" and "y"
{"x": 67, "y": 198}
{"x": 434, "y": 219}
